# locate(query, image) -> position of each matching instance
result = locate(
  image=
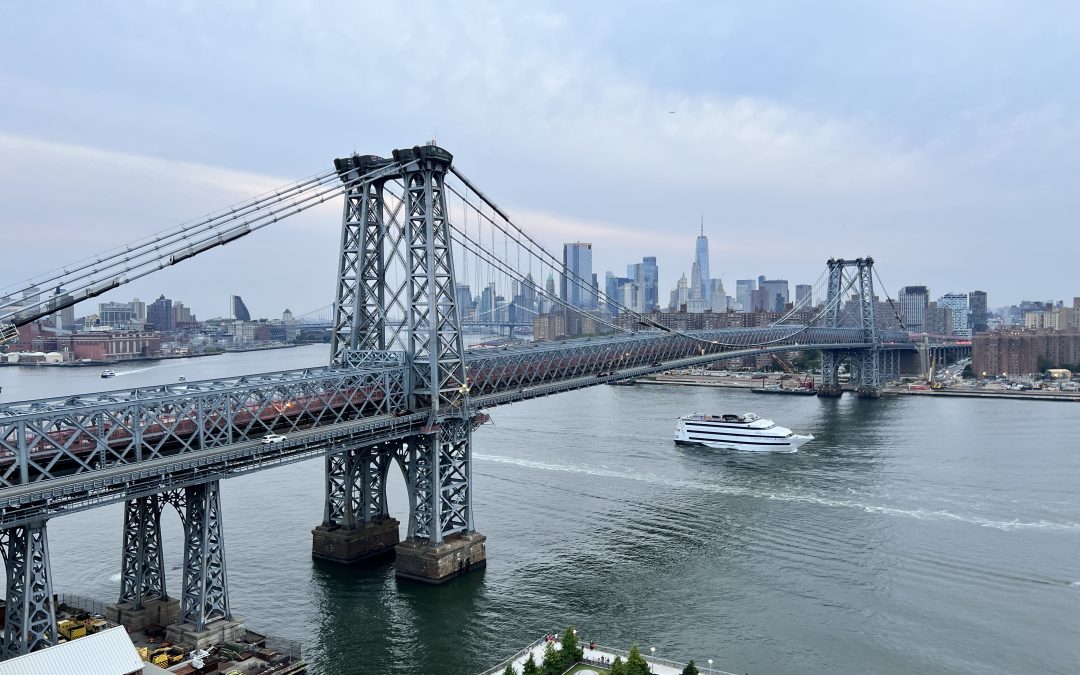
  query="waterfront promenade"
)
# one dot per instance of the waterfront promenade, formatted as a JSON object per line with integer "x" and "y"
{"x": 597, "y": 656}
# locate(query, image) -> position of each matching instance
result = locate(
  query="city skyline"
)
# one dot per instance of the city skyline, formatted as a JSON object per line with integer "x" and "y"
{"x": 903, "y": 149}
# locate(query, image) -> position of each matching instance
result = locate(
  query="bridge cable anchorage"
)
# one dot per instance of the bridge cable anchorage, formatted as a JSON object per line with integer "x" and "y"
{"x": 138, "y": 260}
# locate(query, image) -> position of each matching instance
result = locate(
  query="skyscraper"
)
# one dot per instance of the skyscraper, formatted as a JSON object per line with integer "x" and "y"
{"x": 744, "y": 289}
{"x": 977, "y": 310}
{"x": 774, "y": 292}
{"x": 651, "y": 284}
{"x": 577, "y": 277}
{"x": 160, "y": 314}
{"x": 804, "y": 292}
{"x": 914, "y": 302}
{"x": 958, "y": 303}
{"x": 239, "y": 309}
{"x": 701, "y": 256}
{"x": 549, "y": 289}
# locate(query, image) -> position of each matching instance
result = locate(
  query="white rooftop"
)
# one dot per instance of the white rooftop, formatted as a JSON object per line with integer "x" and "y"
{"x": 109, "y": 652}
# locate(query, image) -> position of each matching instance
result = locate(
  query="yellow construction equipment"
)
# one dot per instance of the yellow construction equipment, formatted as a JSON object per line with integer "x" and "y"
{"x": 167, "y": 656}
{"x": 71, "y": 629}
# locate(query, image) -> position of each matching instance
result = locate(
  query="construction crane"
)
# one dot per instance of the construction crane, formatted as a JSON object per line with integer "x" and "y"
{"x": 807, "y": 383}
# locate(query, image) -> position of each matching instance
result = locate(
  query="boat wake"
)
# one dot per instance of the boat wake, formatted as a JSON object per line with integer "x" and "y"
{"x": 737, "y": 491}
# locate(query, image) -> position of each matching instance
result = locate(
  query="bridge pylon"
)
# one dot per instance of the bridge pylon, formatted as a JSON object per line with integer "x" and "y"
{"x": 396, "y": 298}
{"x": 30, "y": 619}
{"x": 865, "y": 361}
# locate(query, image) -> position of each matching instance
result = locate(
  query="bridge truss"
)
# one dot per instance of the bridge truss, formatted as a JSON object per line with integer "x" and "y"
{"x": 401, "y": 390}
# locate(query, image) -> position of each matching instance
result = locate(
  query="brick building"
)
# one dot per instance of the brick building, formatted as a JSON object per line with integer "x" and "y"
{"x": 105, "y": 345}
{"x": 1017, "y": 351}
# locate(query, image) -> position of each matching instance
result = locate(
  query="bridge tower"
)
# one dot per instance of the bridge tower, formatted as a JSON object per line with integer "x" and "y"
{"x": 866, "y": 361}
{"x": 412, "y": 320}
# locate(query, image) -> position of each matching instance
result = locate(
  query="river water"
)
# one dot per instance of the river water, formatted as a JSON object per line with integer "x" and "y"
{"x": 914, "y": 535}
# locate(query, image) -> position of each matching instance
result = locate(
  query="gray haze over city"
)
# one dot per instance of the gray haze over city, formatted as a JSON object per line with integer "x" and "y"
{"x": 943, "y": 140}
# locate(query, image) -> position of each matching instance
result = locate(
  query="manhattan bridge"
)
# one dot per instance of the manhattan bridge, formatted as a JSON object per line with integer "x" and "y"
{"x": 400, "y": 390}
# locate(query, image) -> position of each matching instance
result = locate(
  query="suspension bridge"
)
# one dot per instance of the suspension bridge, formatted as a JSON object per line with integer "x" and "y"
{"x": 400, "y": 389}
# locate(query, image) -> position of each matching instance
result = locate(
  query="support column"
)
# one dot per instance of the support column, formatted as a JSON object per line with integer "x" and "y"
{"x": 869, "y": 385}
{"x": 356, "y": 524}
{"x": 143, "y": 597}
{"x": 205, "y": 617}
{"x": 30, "y": 622}
{"x": 442, "y": 543}
{"x": 206, "y": 593}
{"x": 830, "y": 377}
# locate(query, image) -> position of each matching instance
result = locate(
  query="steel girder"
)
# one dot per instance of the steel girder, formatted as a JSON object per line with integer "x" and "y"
{"x": 869, "y": 366}
{"x": 436, "y": 347}
{"x": 359, "y": 307}
{"x": 205, "y": 596}
{"x": 356, "y": 483}
{"x": 438, "y": 468}
{"x": 54, "y": 438}
{"x": 30, "y": 622}
{"x": 142, "y": 572}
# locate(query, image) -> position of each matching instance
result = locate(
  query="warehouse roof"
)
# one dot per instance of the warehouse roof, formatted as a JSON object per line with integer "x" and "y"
{"x": 109, "y": 652}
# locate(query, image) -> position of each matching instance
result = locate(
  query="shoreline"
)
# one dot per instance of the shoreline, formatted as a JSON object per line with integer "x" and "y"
{"x": 97, "y": 363}
{"x": 728, "y": 383}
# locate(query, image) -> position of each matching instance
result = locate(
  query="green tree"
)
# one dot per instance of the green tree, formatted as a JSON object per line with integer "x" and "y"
{"x": 530, "y": 667}
{"x": 509, "y": 670}
{"x": 635, "y": 663}
{"x": 690, "y": 669}
{"x": 571, "y": 652}
{"x": 553, "y": 663}
{"x": 617, "y": 667}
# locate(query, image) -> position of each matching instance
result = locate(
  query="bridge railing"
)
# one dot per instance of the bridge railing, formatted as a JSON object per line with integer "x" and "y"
{"x": 53, "y": 438}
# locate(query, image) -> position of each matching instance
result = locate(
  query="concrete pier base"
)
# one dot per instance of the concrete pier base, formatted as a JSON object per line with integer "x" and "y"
{"x": 826, "y": 391}
{"x": 435, "y": 564}
{"x": 216, "y": 632}
{"x": 868, "y": 393}
{"x": 159, "y": 612}
{"x": 358, "y": 544}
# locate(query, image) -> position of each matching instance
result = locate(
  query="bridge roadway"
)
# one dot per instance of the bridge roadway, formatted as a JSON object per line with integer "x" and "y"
{"x": 498, "y": 376}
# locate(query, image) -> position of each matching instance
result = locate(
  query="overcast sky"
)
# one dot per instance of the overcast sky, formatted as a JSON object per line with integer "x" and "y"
{"x": 941, "y": 138}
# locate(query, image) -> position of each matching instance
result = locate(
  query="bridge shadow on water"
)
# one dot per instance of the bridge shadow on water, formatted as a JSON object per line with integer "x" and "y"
{"x": 370, "y": 622}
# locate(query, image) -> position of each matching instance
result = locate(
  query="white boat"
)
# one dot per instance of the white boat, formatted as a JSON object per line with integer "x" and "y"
{"x": 738, "y": 432}
{"x": 108, "y": 373}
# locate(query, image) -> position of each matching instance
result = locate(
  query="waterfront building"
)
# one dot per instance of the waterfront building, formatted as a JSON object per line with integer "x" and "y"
{"x": 576, "y": 287}
{"x": 239, "y": 309}
{"x": 914, "y": 303}
{"x": 1022, "y": 351}
{"x": 101, "y": 345}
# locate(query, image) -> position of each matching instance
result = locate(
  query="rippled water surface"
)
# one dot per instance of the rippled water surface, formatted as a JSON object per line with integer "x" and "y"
{"x": 914, "y": 535}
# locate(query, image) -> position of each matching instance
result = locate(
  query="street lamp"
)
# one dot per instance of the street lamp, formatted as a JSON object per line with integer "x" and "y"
{"x": 710, "y": 666}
